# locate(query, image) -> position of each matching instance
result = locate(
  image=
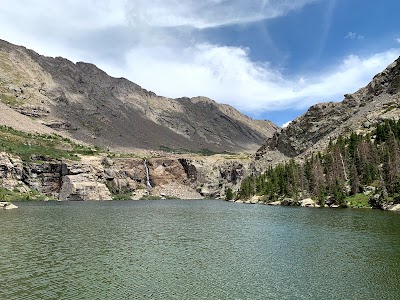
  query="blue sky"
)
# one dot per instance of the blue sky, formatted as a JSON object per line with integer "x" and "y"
{"x": 271, "y": 59}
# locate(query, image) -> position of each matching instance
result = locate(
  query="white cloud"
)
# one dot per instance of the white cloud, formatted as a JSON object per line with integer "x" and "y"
{"x": 354, "y": 36}
{"x": 228, "y": 75}
{"x": 50, "y": 28}
{"x": 351, "y": 35}
{"x": 208, "y": 13}
{"x": 398, "y": 40}
{"x": 64, "y": 28}
{"x": 286, "y": 124}
{"x": 164, "y": 54}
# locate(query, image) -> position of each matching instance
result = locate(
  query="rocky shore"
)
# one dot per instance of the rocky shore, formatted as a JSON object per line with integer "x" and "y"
{"x": 308, "y": 202}
{"x": 375, "y": 201}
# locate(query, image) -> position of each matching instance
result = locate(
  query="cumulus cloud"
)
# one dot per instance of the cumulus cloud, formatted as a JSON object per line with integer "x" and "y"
{"x": 154, "y": 43}
{"x": 228, "y": 75}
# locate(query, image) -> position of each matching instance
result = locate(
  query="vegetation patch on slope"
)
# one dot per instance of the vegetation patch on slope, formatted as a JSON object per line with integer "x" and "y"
{"x": 27, "y": 145}
{"x": 7, "y": 195}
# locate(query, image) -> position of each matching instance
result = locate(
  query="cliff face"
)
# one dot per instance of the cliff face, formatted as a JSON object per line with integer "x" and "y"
{"x": 312, "y": 131}
{"x": 83, "y": 102}
{"x": 101, "y": 178}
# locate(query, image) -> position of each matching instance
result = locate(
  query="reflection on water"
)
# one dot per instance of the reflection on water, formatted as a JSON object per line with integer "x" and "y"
{"x": 196, "y": 250}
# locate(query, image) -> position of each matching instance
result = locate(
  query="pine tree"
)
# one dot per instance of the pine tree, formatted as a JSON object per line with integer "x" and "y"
{"x": 229, "y": 194}
{"x": 354, "y": 180}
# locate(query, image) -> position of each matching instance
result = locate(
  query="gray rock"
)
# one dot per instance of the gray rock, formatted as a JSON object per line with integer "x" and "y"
{"x": 307, "y": 203}
{"x": 7, "y": 205}
{"x": 83, "y": 187}
{"x": 275, "y": 203}
{"x": 288, "y": 202}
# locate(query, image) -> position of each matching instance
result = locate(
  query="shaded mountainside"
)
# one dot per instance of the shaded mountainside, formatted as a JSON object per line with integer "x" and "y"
{"x": 85, "y": 103}
{"x": 311, "y": 132}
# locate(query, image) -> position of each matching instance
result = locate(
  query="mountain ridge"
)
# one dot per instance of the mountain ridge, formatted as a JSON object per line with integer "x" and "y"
{"x": 87, "y": 104}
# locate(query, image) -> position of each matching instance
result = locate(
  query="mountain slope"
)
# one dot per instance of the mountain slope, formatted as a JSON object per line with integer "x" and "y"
{"x": 87, "y": 104}
{"x": 312, "y": 131}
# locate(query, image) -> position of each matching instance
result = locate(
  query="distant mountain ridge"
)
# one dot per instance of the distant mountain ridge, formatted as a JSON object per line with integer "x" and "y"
{"x": 312, "y": 131}
{"x": 91, "y": 106}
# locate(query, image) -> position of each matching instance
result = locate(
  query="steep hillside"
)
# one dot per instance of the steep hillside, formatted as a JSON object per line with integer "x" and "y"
{"x": 312, "y": 131}
{"x": 85, "y": 103}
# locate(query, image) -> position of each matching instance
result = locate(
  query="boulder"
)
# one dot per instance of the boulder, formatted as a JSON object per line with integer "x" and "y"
{"x": 83, "y": 187}
{"x": 288, "y": 202}
{"x": 275, "y": 203}
{"x": 255, "y": 199}
{"x": 307, "y": 203}
{"x": 7, "y": 205}
{"x": 393, "y": 207}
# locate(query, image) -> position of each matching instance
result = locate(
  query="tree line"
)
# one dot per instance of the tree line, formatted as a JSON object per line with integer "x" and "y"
{"x": 347, "y": 167}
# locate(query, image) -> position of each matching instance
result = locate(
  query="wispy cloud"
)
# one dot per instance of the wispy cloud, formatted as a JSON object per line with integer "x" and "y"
{"x": 397, "y": 40}
{"x": 354, "y": 36}
{"x": 64, "y": 27}
{"x": 207, "y": 13}
{"x": 326, "y": 27}
{"x": 154, "y": 44}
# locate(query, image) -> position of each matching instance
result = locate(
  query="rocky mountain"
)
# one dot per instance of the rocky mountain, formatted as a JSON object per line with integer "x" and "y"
{"x": 311, "y": 132}
{"x": 83, "y": 102}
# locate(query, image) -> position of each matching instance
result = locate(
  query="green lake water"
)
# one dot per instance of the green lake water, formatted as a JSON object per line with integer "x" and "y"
{"x": 201, "y": 249}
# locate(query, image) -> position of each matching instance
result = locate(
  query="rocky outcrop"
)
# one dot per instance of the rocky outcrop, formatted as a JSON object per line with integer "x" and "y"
{"x": 44, "y": 176}
{"x": 215, "y": 175}
{"x": 84, "y": 181}
{"x": 83, "y": 187}
{"x": 11, "y": 172}
{"x": 186, "y": 178}
{"x": 56, "y": 179}
{"x": 102, "y": 178}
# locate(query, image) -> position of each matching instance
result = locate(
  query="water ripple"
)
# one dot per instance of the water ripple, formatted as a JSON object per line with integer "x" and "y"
{"x": 196, "y": 250}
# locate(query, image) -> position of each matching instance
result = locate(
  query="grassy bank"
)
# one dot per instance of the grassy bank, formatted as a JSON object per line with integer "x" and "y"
{"x": 358, "y": 201}
{"x": 25, "y": 145}
{"x": 6, "y": 195}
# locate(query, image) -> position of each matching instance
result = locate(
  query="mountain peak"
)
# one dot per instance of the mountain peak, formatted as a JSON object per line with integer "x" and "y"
{"x": 85, "y": 103}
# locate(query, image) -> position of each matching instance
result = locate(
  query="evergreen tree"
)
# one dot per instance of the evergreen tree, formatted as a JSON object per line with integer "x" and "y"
{"x": 229, "y": 194}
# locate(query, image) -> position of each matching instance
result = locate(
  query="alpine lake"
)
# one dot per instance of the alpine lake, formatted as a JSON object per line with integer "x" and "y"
{"x": 196, "y": 249}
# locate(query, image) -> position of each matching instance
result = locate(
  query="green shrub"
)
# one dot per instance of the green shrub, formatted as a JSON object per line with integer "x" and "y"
{"x": 358, "y": 200}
